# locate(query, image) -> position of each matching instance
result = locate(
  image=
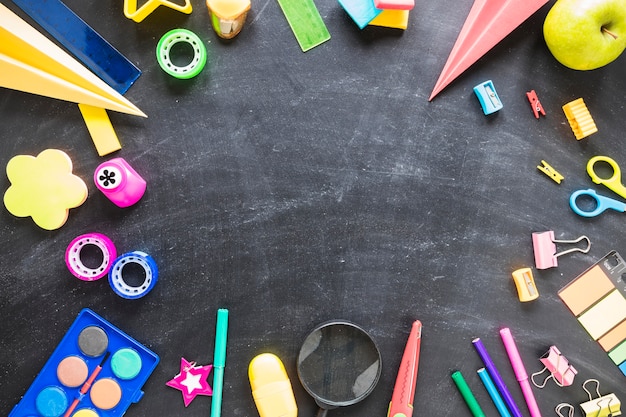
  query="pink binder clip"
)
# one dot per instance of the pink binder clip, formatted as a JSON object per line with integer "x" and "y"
{"x": 559, "y": 367}
{"x": 544, "y": 246}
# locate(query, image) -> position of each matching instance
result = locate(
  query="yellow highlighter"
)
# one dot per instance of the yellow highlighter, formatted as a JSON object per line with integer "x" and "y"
{"x": 271, "y": 387}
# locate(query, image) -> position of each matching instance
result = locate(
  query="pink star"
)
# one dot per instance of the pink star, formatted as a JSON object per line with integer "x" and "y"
{"x": 192, "y": 380}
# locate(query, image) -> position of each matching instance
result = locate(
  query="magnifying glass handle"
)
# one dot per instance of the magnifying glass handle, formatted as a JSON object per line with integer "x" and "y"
{"x": 322, "y": 412}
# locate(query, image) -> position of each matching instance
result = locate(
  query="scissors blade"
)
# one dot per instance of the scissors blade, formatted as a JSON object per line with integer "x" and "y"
{"x": 404, "y": 390}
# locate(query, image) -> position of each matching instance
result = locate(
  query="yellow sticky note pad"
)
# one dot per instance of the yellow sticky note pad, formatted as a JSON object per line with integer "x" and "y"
{"x": 396, "y": 19}
{"x": 44, "y": 188}
{"x": 604, "y": 315}
{"x": 100, "y": 129}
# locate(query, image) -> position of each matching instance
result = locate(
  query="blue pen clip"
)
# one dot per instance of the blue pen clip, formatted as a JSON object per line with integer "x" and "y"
{"x": 602, "y": 203}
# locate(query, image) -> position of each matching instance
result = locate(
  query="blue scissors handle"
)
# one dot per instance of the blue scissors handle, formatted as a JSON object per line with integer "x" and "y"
{"x": 602, "y": 203}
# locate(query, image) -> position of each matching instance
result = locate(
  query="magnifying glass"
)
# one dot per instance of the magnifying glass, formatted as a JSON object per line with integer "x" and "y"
{"x": 339, "y": 365}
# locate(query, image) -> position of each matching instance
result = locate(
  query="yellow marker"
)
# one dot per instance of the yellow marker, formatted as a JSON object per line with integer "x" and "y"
{"x": 579, "y": 119}
{"x": 228, "y": 16}
{"x": 100, "y": 129}
{"x": 525, "y": 283}
{"x": 139, "y": 14}
{"x": 271, "y": 388}
{"x": 44, "y": 188}
{"x": 32, "y": 63}
{"x": 550, "y": 172}
{"x": 396, "y": 19}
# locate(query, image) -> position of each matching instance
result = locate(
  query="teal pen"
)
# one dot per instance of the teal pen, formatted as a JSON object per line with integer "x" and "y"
{"x": 219, "y": 361}
{"x": 493, "y": 392}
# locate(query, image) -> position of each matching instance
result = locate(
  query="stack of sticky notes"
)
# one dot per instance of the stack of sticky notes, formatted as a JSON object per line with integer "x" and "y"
{"x": 388, "y": 13}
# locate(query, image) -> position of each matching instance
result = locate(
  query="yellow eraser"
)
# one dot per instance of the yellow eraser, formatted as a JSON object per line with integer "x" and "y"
{"x": 525, "y": 283}
{"x": 396, "y": 19}
{"x": 271, "y": 388}
{"x": 579, "y": 118}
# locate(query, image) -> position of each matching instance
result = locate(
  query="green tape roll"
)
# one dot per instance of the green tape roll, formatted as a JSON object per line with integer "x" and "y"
{"x": 164, "y": 47}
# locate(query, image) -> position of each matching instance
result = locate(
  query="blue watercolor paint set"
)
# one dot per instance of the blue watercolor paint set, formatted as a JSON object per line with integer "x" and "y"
{"x": 96, "y": 371}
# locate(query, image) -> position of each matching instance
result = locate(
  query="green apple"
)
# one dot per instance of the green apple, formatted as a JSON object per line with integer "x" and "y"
{"x": 586, "y": 34}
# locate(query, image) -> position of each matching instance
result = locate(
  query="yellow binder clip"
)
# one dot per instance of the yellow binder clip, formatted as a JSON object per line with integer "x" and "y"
{"x": 603, "y": 406}
{"x": 139, "y": 14}
{"x": 579, "y": 119}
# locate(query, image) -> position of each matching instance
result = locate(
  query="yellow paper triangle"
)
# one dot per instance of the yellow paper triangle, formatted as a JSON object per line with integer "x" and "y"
{"x": 24, "y": 44}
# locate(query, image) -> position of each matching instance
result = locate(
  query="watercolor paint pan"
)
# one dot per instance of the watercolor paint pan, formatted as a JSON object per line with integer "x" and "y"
{"x": 597, "y": 298}
{"x": 96, "y": 371}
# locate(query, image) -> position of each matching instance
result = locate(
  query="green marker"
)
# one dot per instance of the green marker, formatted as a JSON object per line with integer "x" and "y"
{"x": 305, "y": 22}
{"x": 219, "y": 361}
{"x": 466, "y": 392}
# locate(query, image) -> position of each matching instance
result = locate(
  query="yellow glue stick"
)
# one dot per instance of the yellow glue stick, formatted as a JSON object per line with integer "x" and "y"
{"x": 271, "y": 387}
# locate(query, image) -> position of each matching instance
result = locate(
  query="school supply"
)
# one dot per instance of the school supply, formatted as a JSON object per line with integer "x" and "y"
{"x": 597, "y": 298}
{"x": 467, "y": 394}
{"x": 544, "y": 248}
{"x": 525, "y": 284}
{"x": 305, "y": 22}
{"x": 401, "y": 404}
{"x": 558, "y": 367}
{"x": 535, "y": 104}
{"x": 493, "y": 392}
{"x": 601, "y": 405}
{"x": 579, "y": 119}
{"x": 495, "y": 375}
{"x": 95, "y": 366}
{"x": 550, "y": 172}
{"x": 83, "y": 42}
{"x": 131, "y": 10}
{"x": 488, "y": 22}
{"x": 520, "y": 371}
{"x": 32, "y": 63}
{"x": 271, "y": 388}
{"x": 219, "y": 361}
{"x": 190, "y": 371}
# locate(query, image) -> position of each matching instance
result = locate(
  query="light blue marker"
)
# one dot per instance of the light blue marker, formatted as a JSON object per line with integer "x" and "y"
{"x": 493, "y": 392}
{"x": 219, "y": 361}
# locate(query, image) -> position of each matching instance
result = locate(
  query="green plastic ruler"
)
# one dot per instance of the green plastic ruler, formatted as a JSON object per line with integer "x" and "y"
{"x": 305, "y": 22}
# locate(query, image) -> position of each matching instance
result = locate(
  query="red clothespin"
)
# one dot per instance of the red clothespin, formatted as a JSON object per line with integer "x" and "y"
{"x": 535, "y": 104}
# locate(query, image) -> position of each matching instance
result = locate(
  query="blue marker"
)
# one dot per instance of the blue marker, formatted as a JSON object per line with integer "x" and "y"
{"x": 493, "y": 392}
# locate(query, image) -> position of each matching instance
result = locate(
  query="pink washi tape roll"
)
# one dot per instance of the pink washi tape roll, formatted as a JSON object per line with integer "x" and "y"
{"x": 119, "y": 182}
{"x": 77, "y": 266}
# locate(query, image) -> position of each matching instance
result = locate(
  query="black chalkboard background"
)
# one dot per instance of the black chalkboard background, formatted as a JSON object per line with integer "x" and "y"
{"x": 293, "y": 188}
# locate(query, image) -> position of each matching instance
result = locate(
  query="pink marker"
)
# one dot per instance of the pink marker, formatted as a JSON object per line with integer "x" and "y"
{"x": 520, "y": 371}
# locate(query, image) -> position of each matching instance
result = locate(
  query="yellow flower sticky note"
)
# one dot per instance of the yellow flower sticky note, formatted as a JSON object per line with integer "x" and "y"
{"x": 44, "y": 188}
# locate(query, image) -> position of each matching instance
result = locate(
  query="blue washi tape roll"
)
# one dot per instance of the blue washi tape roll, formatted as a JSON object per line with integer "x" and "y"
{"x": 116, "y": 275}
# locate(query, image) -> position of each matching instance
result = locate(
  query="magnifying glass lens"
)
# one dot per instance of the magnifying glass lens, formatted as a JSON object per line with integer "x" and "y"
{"x": 339, "y": 364}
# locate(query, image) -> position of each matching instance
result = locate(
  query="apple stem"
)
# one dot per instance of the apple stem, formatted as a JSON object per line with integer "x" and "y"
{"x": 605, "y": 30}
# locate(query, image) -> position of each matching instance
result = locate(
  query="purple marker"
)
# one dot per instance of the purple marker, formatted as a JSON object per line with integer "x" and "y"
{"x": 495, "y": 375}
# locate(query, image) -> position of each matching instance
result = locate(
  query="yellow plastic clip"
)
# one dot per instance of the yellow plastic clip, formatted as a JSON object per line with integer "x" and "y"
{"x": 525, "y": 283}
{"x": 579, "y": 119}
{"x": 550, "y": 172}
{"x": 139, "y": 14}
